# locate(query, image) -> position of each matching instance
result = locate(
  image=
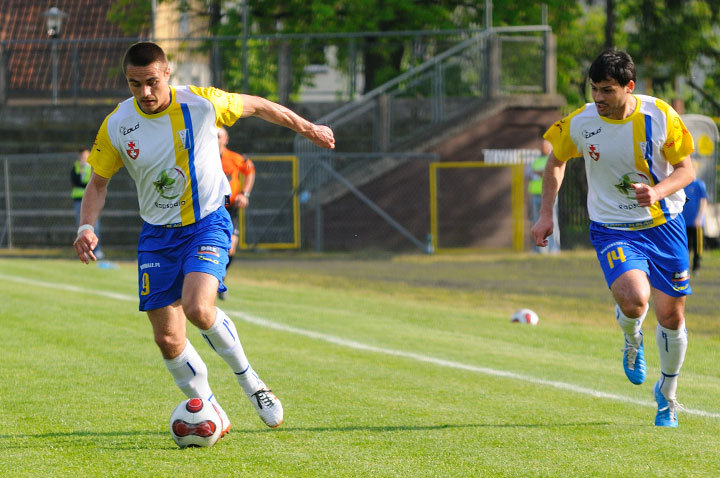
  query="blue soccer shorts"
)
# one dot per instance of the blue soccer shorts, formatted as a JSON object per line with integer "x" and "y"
{"x": 660, "y": 251}
{"x": 167, "y": 254}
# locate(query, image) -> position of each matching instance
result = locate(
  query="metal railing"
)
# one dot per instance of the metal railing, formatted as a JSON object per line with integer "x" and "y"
{"x": 391, "y": 117}
{"x": 295, "y": 66}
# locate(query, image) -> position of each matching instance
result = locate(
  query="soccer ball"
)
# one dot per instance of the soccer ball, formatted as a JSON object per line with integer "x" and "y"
{"x": 524, "y": 316}
{"x": 195, "y": 422}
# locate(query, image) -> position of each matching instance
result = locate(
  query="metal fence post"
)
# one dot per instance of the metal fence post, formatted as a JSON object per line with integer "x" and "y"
{"x": 75, "y": 73}
{"x": 383, "y": 119}
{"x": 438, "y": 93}
{"x": 493, "y": 67}
{"x": 8, "y": 204}
{"x": 319, "y": 222}
{"x": 352, "y": 69}
{"x": 3, "y": 77}
{"x": 550, "y": 79}
{"x": 54, "y": 52}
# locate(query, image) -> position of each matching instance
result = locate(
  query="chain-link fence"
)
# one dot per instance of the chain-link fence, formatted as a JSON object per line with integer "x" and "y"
{"x": 309, "y": 203}
{"x": 284, "y": 67}
{"x": 390, "y": 213}
{"x": 362, "y": 211}
{"x": 272, "y": 221}
{"x": 36, "y": 207}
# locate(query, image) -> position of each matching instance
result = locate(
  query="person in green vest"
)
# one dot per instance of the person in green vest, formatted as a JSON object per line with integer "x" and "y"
{"x": 535, "y": 190}
{"x": 79, "y": 178}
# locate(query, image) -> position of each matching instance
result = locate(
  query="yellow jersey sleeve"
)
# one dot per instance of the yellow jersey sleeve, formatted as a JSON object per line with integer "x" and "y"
{"x": 559, "y": 136}
{"x": 228, "y": 106}
{"x": 104, "y": 158}
{"x": 679, "y": 142}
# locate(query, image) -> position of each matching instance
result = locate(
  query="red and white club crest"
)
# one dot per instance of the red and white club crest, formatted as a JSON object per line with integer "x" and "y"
{"x": 593, "y": 151}
{"x": 132, "y": 148}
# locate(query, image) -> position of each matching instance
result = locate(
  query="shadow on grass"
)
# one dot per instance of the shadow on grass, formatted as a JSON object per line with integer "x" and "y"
{"x": 413, "y": 428}
{"x": 80, "y": 434}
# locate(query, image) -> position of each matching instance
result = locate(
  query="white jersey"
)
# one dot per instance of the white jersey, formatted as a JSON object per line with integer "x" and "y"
{"x": 641, "y": 148}
{"x": 173, "y": 156}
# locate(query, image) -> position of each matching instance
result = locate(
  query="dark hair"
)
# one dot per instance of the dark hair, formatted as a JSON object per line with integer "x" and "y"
{"x": 143, "y": 53}
{"x": 613, "y": 64}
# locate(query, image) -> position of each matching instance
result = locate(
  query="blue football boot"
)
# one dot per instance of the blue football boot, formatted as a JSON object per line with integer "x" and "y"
{"x": 667, "y": 409}
{"x": 634, "y": 362}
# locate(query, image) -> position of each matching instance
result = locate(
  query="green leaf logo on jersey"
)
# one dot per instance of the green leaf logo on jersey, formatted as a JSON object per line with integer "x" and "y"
{"x": 626, "y": 182}
{"x": 170, "y": 183}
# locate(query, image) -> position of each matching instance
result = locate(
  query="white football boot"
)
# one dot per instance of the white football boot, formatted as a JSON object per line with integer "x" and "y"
{"x": 267, "y": 406}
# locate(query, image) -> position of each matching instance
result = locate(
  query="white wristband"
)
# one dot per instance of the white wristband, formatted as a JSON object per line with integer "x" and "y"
{"x": 85, "y": 227}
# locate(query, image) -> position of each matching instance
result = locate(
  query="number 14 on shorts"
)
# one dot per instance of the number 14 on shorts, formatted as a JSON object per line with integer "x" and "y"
{"x": 615, "y": 255}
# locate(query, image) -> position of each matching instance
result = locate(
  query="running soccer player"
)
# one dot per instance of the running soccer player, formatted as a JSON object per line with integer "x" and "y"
{"x": 167, "y": 138}
{"x": 636, "y": 150}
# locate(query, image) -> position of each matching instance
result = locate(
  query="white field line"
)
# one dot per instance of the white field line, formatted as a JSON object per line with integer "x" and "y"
{"x": 371, "y": 348}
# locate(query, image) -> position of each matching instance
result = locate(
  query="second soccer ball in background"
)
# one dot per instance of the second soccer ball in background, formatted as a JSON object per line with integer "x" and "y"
{"x": 524, "y": 316}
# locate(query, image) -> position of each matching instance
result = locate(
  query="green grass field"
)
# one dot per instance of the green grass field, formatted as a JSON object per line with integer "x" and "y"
{"x": 386, "y": 366}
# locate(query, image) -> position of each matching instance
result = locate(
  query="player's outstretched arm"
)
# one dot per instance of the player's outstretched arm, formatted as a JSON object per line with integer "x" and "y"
{"x": 92, "y": 203}
{"x": 321, "y": 135}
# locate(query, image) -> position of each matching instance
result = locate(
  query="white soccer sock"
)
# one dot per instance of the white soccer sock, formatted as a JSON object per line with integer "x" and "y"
{"x": 222, "y": 336}
{"x": 631, "y": 326}
{"x": 190, "y": 373}
{"x": 672, "y": 345}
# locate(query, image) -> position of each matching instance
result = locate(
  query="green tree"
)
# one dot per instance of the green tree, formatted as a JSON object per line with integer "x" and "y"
{"x": 677, "y": 38}
{"x": 134, "y": 17}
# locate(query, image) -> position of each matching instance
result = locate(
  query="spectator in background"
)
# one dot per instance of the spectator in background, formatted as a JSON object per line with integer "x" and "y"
{"x": 535, "y": 190}
{"x": 694, "y": 214}
{"x": 234, "y": 165}
{"x": 79, "y": 178}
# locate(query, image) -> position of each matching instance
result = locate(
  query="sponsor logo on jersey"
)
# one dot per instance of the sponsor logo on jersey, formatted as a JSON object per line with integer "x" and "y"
{"x": 209, "y": 259}
{"x": 626, "y": 182}
{"x": 589, "y": 134}
{"x": 645, "y": 148}
{"x": 132, "y": 148}
{"x": 681, "y": 276}
{"x": 170, "y": 205}
{"x": 212, "y": 250}
{"x": 593, "y": 151}
{"x": 170, "y": 183}
{"x": 185, "y": 139}
{"x": 126, "y": 131}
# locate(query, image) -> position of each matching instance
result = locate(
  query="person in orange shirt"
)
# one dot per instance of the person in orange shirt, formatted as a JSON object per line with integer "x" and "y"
{"x": 235, "y": 164}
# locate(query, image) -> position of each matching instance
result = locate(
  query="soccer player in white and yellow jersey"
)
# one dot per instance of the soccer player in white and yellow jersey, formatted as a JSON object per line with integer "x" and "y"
{"x": 636, "y": 150}
{"x": 166, "y": 137}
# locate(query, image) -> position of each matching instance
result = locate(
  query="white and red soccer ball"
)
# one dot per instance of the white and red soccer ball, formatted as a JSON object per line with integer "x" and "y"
{"x": 524, "y": 316}
{"x": 195, "y": 422}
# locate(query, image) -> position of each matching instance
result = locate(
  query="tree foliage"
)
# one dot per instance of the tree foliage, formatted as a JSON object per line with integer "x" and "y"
{"x": 133, "y": 17}
{"x": 673, "y": 39}
{"x": 669, "y": 39}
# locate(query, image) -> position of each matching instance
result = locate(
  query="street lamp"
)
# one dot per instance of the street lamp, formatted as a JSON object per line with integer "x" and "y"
{"x": 53, "y": 21}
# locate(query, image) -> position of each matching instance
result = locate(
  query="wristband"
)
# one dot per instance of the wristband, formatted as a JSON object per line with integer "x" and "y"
{"x": 247, "y": 195}
{"x": 85, "y": 227}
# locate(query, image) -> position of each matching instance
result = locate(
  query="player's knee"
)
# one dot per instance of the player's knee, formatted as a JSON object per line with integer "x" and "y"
{"x": 200, "y": 314}
{"x": 633, "y": 306}
{"x": 673, "y": 319}
{"x": 170, "y": 345}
